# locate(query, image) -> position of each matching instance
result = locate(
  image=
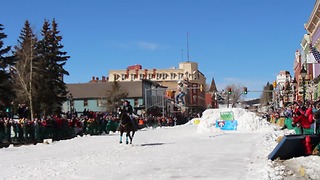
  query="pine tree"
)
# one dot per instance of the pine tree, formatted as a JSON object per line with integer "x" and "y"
{"x": 23, "y": 74}
{"x": 115, "y": 96}
{"x": 51, "y": 61}
{"x": 6, "y": 61}
{"x": 42, "y": 49}
{"x": 266, "y": 96}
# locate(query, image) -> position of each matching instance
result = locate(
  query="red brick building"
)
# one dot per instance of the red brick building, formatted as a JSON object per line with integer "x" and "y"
{"x": 211, "y": 96}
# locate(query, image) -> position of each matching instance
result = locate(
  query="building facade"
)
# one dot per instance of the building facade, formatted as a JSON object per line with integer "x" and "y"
{"x": 195, "y": 98}
{"x": 92, "y": 95}
{"x": 212, "y": 96}
{"x": 284, "y": 90}
{"x": 148, "y": 89}
{"x": 308, "y": 57}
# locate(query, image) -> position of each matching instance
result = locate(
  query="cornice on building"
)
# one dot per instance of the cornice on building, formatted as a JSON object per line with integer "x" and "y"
{"x": 136, "y": 73}
{"x": 313, "y": 21}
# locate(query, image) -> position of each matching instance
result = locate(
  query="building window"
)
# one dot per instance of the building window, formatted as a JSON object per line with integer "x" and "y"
{"x": 141, "y": 76}
{"x": 85, "y": 102}
{"x": 101, "y": 102}
{"x": 164, "y": 76}
{"x": 159, "y": 76}
{"x": 173, "y": 75}
{"x": 136, "y": 102}
{"x": 194, "y": 88}
{"x": 180, "y": 75}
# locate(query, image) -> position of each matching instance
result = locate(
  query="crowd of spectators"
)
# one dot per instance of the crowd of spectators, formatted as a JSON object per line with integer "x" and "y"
{"x": 23, "y": 130}
{"x": 303, "y": 116}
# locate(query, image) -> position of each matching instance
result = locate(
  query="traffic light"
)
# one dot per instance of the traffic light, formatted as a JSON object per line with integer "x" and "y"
{"x": 245, "y": 90}
{"x": 274, "y": 84}
{"x": 229, "y": 91}
{"x": 201, "y": 88}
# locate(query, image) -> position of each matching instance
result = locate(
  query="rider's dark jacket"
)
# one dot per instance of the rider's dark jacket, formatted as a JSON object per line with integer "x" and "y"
{"x": 127, "y": 109}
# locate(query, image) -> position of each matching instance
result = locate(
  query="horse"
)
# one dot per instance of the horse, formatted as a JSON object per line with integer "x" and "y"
{"x": 126, "y": 125}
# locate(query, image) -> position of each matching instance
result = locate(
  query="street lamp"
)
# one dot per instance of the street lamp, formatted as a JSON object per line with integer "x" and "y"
{"x": 294, "y": 83}
{"x": 303, "y": 74}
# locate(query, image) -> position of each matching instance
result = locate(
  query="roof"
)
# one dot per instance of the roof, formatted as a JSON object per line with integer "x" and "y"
{"x": 213, "y": 87}
{"x": 99, "y": 89}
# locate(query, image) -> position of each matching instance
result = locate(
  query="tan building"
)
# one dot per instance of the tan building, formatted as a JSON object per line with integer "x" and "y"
{"x": 168, "y": 78}
{"x": 147, "y": 88}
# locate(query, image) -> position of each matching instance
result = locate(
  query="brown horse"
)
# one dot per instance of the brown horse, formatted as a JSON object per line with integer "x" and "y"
{"x": 126, "y": 125}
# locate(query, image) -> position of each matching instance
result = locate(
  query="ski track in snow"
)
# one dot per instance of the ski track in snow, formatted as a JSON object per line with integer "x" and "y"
{"x": 181, "y": 152}
{"x": 152, "y": 153}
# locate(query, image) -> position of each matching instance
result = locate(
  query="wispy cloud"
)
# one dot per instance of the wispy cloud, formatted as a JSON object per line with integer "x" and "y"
{"x": 137, "y": 44}
{"x": 148, "y": 45}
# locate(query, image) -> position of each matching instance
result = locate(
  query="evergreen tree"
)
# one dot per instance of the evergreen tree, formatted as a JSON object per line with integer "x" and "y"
{"x": 51, "y": 61}
{"x": 41, "y": 99}
{"x": 23, "y": 74}
{"x": 115, "y": 96}
{"x": 6, "y": 61}
{"x": 266, "y": 96}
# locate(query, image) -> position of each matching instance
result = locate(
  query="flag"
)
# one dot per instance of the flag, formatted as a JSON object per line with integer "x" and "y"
{"x": 310, "y": 58}
{"x": 313, "y": 56}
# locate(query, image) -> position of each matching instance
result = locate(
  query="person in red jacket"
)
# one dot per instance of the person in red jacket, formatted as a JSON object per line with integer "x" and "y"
{"x": 309, "y": 112}
{"x": 300, "y": 119}
{"x": 295, "y": 108}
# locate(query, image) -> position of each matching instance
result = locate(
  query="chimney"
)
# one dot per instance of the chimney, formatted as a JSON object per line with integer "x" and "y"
{"x": 154, "y": 73}
{"x": 127, "y": 73}
{"x": 145, "y": 73}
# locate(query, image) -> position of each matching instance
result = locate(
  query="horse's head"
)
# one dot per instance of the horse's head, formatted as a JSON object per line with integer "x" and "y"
{"x": 123, "y": 115}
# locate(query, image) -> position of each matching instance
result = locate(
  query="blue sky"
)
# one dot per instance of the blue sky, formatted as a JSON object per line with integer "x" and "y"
{"x": 245, "y": 42}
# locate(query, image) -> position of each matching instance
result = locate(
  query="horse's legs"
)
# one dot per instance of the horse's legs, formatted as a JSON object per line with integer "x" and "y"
{"x": 131, "y": 136}
{"x": 127, "y": 135}
{"x": 121, "y": 133}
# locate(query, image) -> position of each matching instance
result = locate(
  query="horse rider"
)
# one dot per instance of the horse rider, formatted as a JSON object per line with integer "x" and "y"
{"x": 127, "y": 108}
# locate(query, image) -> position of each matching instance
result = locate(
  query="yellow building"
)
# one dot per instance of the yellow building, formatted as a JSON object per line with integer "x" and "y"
{"x": 168, "y": 78}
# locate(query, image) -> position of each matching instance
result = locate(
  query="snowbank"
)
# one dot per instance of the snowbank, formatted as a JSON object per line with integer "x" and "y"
{"x": 247, "y": 121}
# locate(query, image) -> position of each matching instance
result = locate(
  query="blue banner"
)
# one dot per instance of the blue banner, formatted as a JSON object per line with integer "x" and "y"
{"x": 227, "y": 124}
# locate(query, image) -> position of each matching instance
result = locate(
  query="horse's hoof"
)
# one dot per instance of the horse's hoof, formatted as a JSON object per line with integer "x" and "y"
{"x": 127, "y": 142}
{"x": 120, "y": 142}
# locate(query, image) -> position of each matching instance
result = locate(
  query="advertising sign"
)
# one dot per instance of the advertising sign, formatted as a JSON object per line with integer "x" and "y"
{"x": 227, "y": 124}
{"x": 228, "y": 115}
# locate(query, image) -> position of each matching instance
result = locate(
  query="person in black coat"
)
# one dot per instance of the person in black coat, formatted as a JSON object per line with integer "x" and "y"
{"x": 127, "y": 109}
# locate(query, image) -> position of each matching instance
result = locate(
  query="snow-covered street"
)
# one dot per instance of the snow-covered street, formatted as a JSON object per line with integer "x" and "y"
{"x": 182, "y": 152}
